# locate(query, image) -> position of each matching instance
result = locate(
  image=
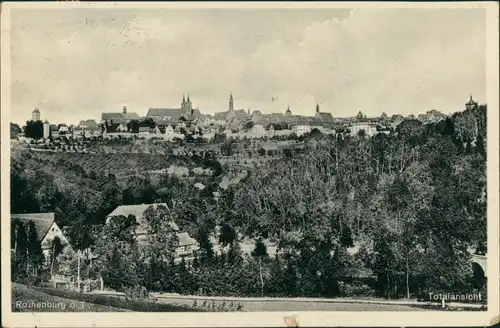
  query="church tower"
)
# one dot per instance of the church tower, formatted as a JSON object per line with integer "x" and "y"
{"x": 231, "y": 102}
{"x": 46, "y": 129}
{"x": 189, "y": 107}
{"x": 471, "y": 104}
{"x": 183, "y": 104}
{"x": 317, "y": 108}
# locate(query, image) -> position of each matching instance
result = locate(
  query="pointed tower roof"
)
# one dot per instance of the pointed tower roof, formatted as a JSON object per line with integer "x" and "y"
{"x": 471, "y": 101}
{"x": 183, "y": 98}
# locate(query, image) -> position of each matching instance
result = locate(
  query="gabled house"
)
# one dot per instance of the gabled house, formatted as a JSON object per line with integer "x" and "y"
{"x": 46, "y": 229}
{"x": 187, "y": 247}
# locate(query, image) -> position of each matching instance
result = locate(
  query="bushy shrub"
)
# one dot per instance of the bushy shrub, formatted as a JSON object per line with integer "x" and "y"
{"x": 31, "y": 280}
{"x": 355, "y": 289}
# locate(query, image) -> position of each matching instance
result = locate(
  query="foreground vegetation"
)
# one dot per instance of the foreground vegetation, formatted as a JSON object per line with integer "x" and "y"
{"x": 122, "y": 303}
{"x": 22, "y": 294}
{"x": 413, "y": 201}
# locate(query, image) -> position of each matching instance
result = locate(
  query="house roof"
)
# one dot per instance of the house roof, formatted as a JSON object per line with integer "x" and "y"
{"x": 290, "y": 119}
{"x": 110, "y": 116}
{"x": 131, "y": 116}
{"x": 326, "y": 116}
{"x": 241, "y": 114}
{"x": 119, "y": 117}
{"x": 144, "y": 129}
{"x": 274, "y": 118}
{"x": 166, "y": 122}
{"x": 172, "y": 112}
{"x": 316, "y": 122}
{"x": 221, "y": 115}
{"x": 197, "y": 113}
{"x": 42, "y": 221}
{"x": 138, "y": 212}
{"x": 185, "y": 239}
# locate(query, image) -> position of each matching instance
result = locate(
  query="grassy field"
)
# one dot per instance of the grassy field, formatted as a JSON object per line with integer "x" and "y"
{"x": 26, "y": 299}
{"x": 272, "y": 305}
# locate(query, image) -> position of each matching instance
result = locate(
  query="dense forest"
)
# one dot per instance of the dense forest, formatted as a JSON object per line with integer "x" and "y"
{"x": 413, "y": 202}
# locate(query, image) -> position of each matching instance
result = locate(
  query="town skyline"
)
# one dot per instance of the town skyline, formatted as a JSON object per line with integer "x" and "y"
{"x": 143, "y": 115}
{"x": 300, "y": 58}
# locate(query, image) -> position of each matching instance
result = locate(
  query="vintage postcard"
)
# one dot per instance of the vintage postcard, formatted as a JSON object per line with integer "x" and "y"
{"x": 249, "y": 164}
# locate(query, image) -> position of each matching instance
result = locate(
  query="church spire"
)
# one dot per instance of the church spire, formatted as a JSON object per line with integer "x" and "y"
{"x": 317, "y": 108}
{"x": 231, "y": 102}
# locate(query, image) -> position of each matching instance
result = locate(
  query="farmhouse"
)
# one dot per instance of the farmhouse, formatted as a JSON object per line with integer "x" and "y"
{"x": 46, "y": 228}
{"x": 187, "y": 246}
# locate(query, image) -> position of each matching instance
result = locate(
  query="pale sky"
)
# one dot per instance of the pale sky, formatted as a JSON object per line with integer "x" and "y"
{"x": 74, "y": 64}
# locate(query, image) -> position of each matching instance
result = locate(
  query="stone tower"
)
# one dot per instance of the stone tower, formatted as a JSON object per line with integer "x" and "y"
{"x": 231, "y": 102}
{"x": 35, "y": 115}
{"x": 46, "y": 129}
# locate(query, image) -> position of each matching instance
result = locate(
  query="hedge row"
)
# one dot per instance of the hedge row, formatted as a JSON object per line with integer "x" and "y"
{"x": 134, "y": 305}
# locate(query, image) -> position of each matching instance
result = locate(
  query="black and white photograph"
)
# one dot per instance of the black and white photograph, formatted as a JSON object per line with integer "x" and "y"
{"x": 215, "y": 159}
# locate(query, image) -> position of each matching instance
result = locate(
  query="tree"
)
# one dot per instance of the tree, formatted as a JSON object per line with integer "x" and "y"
{"x": 14, "y": 130}
{"x": 148, "y": 122}
{"x": 206, "y": 247}
{"x": 260, "y": 253}
{"x": 249, "y": 125}
{"x": 55, "y": 249}
{"x": 117, "y": 253}
{"x": 19, "y": 245}
{"x": 35, "y": 253}
{"x": 133, "y": 126}
{"x": 316, "y": 133}
{"x": 161, "y": 233}
{"x": 68, "y": 263}
{"x": 227, "y": 235}
{"x": 34, "y": 129}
